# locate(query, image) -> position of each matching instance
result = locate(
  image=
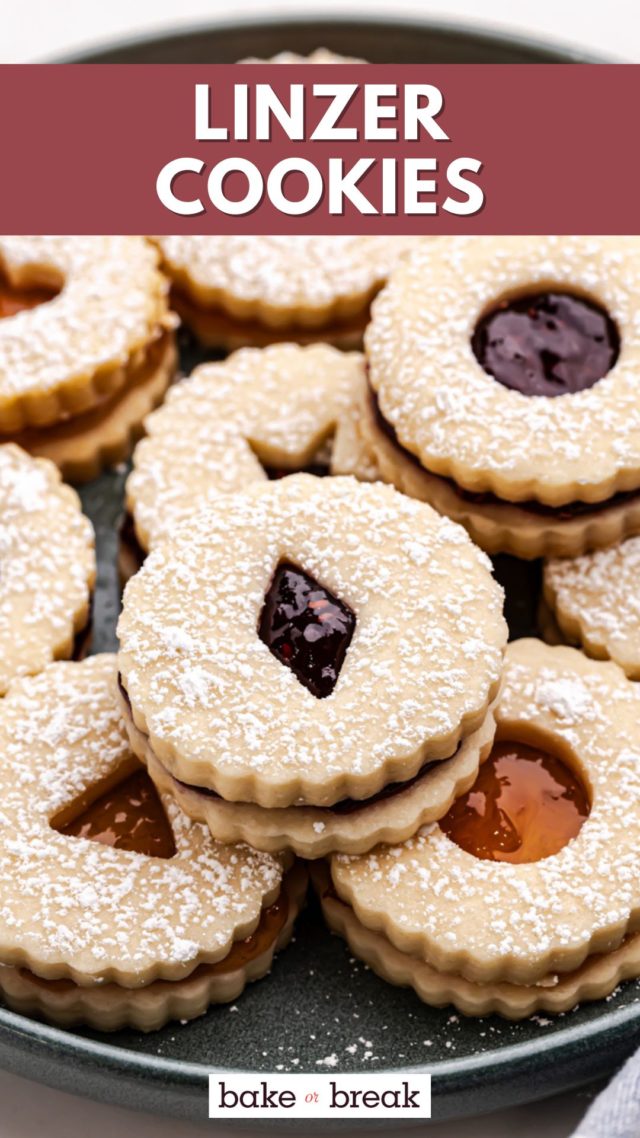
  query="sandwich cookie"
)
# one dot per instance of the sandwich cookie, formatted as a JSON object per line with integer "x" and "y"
{"x": 86, "y": 346}
{"x": 320, "y": 55}
{"x": 117, "y": 910}
{"x": 261, "y": 414}
{"x": 504, "y": 380}
{"x": 525, "y": 896}
{"x": 312, "y": 662}
{"x": 235, "y": 291}
{"x": 593, "y": 601}
{"x": 47, "y": 567}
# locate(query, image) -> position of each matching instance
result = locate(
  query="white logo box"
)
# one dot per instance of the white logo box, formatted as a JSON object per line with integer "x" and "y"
{"x": 299, "y": 1095}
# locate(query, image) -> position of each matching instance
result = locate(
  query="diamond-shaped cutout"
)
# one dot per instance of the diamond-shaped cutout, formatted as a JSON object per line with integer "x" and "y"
{"x": 306, "y": 628}
{"x": 128, "y": 816}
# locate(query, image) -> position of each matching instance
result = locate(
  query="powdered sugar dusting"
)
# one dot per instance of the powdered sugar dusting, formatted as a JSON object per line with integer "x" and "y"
{"x": 78, "y": 908}
{"x": 423, "y": 663}
{"x": 303, "y": 271}
{"x": 279, "y": 405}
{"x": 112, "y": 302}
{"x": 495, "y": 920}
{"x": 596, "y": 599}
{"x": 457, "y": 419}
{"x": 47, "y": 564}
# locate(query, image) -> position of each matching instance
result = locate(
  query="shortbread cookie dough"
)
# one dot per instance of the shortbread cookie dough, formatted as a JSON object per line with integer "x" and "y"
{"x": 595, "y": 602}
{"x": 350, "y": 826}
{"x": 308, "y": 641}
{"x": 527, "y": 531}
{"x": 108, "y": 1007}
{"x": 62, "y": 357}
{"x": 503, "y": 387}
{"x": 216, "y": 329}
{"x": 86, "y": 444}
{"x": 102, "y": 883}
{"x": 594, "y": 980}
{"x": 320, "y": 55}
{"x": 47, "y": 565}
{"x": 525, "y": 894}
{"x": 288, "y": 285}
{"x": 259, "y": 414}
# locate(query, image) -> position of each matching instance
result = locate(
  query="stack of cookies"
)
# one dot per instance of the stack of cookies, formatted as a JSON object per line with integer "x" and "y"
{"x": 313, "y": 672}
{"x": 89, "y": 348}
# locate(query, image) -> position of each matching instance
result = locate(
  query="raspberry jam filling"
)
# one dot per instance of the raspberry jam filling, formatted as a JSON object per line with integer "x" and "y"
{"x": 525, "y": 805}
{"x": 130, "y": 816}
{"x": 306, "y": 628}
{"x": 548, "y": 343}
{"x": 344, "y": 805}
{"x": 565, "y": 513}
{"x": 14, "y": 300}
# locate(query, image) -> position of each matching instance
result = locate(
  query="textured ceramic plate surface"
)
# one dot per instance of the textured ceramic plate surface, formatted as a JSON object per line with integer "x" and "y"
{"x": 320, "y": 1010}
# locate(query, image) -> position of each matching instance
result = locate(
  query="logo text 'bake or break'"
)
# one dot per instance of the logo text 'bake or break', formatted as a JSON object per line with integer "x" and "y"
{"x": 362, "y": 1096}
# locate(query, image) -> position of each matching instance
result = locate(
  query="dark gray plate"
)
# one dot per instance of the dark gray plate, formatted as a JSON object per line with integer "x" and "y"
{"x": 318, "y": 1002}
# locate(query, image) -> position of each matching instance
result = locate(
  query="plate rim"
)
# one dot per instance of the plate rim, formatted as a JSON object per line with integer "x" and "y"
{"x": 63, "y": 1048}
{"x": 185, "y": 1072}
{"x": 487, "y": 35}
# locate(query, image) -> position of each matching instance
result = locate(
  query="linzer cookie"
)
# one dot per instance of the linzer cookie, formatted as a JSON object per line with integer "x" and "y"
{"x": 258, "y": 415}
{"x": 525, "y": 896}
{"x": 503, "y": 376}
{"x": 47, "y": 566}
{"x": 117, "y": 910}
{"x": 234, "y": 291}
{"x": 594, "y": 601}
{"x": 86, "y": 346}
{"x": 320, "y": 55}
{"x": 313, "y": 663}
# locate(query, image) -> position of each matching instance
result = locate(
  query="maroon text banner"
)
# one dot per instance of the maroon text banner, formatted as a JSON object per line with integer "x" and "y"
{"x": 319, "y": 149}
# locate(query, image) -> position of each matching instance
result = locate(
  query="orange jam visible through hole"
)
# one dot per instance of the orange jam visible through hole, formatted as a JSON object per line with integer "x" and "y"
{"x": 14, "y": 300}
{"x": 130, "y": 816}
{"x": 525, "y": 805}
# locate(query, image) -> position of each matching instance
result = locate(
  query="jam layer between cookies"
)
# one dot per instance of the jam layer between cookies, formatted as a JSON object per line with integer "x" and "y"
{"x": 130, "y": 816}
{"x": 344, "y": 806}
{"x": 567, "y": 512}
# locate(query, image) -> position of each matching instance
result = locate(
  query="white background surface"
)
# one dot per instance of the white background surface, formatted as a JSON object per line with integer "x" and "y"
{"x": 33, "y": 30}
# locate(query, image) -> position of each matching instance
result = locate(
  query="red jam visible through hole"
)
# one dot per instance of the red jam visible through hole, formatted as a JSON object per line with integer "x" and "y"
{"x": 547, "y": 343}
{"x": 307, "y": 628}
{"x": 130, "y": 816}
{"x": 14, "y": 300}
{"x": 525, "y": 805}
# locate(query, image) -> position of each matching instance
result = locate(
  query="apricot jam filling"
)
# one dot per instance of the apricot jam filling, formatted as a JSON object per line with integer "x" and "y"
{"x": 525, "y": 805}
{"x": 14, "y": 300}
{"x": 130, "y": 816}
{"x": 242, "y": 952}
